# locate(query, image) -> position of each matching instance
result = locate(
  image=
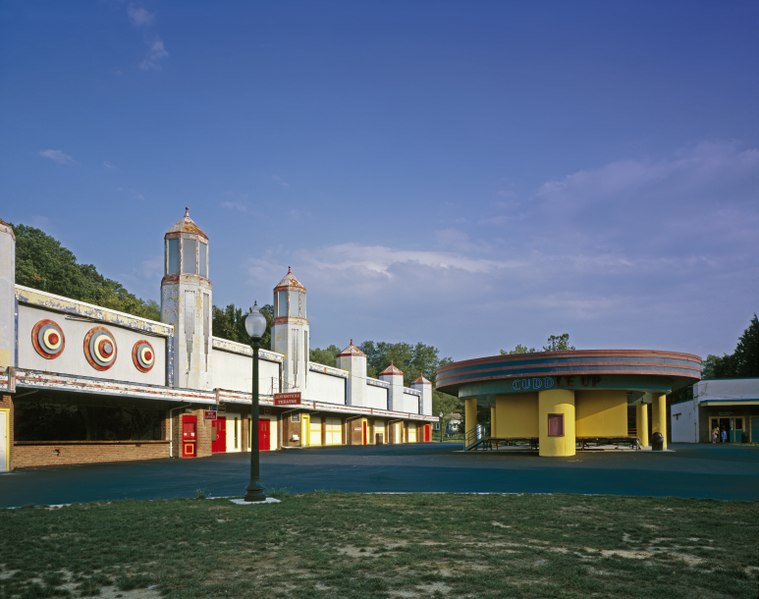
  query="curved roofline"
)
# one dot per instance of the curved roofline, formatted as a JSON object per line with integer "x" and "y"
{"x": 574, "y": 353}
{"x": 682, "y": 368}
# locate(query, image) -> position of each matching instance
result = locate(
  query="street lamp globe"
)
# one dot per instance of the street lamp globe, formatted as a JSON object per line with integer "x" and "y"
{"x": 255, "y": 323}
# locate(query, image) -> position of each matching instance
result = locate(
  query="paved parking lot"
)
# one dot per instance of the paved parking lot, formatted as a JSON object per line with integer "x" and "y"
{"x": 698, "y": 471}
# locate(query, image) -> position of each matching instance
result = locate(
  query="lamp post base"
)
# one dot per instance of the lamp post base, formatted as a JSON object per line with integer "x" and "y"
{"x": 255, "y": 492}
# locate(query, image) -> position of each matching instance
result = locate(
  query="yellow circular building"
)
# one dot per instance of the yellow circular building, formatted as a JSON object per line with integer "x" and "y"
{"x": 557, "y": 401}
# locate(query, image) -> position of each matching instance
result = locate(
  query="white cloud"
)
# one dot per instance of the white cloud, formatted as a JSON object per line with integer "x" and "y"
{"x": 58, "y": 157}
{"x": 156, "y": 54}
{"x": 108, "y": 164}
{"x": 381, "y": 260}
{"x": 235, "y": 206}
{"x": 138, "y": 16}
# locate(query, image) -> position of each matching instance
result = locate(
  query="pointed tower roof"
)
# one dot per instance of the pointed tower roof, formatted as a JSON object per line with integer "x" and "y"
{"x": 289, "y": 281}
{"x": 351, "y": 350}
{"x": 392, "y": 370}
{"x": 187, "y": 225}
{"x": 421, "y": 379}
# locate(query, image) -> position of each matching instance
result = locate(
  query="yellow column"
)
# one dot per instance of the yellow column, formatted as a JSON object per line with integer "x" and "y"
{"x": 659, "y": 417}
{"x": 493, "y": 428}
{"x": 560, "y": 402}
{"x": 641, "y": 422}
{"x": 305, "y": 430}
{"x": 470, "y": 419}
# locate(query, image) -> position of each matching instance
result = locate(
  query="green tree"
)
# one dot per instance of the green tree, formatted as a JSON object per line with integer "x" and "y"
{"x": 413, "y": 360}
{"x": 229, "y": 323}
{"x": 558, "y": 343}
{"x": 326, "y": 356}
{"x": 554, "y": 343}
{"x": 718, "y": 367}
{"x": 44, "y": 264}
{"x": 746, "y": 354}
{"x": 518, "y": 349}
{"x": 447, "y": 405}
{"x": 744, "y": 361}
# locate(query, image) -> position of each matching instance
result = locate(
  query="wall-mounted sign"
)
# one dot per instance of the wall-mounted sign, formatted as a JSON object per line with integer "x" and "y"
{"x": 287, "y": 399}
{"x": 210, "y": 414}
{"x": 549, "y": 382}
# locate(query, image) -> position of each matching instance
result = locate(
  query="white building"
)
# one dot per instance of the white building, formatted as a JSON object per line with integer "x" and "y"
{"x": 84, "y": 383}
{"x": 731, "y": 405}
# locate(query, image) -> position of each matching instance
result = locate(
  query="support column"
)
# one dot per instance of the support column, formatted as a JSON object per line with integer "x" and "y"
{"x": 557, "y": 439}
{"x": 470, "y": 419}
{"x": 493, "y": 428}
{"x": 659, "y": 417}
{"x": 641, "y": 422}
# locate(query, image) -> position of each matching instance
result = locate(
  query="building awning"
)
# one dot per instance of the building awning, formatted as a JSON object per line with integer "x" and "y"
{"x": 729, "y": 402}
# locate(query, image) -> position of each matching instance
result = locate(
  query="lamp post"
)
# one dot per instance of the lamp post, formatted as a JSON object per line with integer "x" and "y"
{"x": 255, "y": 325}
{"x": 442, "y": 422}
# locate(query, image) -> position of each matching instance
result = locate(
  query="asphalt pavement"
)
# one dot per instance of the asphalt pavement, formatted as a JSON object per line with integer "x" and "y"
{"x": 726, "y": 472}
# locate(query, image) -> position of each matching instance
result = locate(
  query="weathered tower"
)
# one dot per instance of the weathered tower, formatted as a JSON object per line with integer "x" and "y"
{"x": 353, "y": 360}
{"x": 7, "y": 296}
{"x": 186, "y": 303}
{"x": 290, "y": 331}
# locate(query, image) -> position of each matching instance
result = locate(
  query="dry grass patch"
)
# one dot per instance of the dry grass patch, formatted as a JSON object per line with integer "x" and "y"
{"x": 377, "y": 546}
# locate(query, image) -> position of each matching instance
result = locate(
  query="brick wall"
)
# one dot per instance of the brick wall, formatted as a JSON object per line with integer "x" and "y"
{"x": 31, "y": 454}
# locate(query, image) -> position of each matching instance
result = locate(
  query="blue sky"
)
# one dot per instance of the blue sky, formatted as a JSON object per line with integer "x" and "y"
{"x": 472, "y": 175}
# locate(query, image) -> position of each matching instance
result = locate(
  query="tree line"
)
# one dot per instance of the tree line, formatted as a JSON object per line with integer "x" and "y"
{"x": 743, "y": 362}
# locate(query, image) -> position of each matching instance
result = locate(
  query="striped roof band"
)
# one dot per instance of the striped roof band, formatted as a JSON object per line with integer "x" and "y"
{"x": 683, "y": 369}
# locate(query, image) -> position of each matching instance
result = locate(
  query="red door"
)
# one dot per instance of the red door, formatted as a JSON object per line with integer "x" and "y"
{"x": 427, "y": 433}
{"x": 219, "y": 435}
{"x": 264, "y": 435}
{"x": 189, "y": 438}
{"x": 364, "y": 431}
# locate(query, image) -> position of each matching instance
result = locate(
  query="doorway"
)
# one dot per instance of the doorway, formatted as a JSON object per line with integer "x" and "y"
{"x": 219, "y": 435}
{"x": 732, "y": 424}
{"x": 264, "y": 435}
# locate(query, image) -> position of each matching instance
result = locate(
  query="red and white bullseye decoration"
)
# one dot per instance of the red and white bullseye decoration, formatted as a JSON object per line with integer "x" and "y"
{"x": 48, "y": 339}
{"x": 100, "y": 348}
{"x": 143, "y": 356}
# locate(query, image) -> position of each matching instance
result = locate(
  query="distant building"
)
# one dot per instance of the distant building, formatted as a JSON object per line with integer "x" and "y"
{"x": 730, "y": 405}
{"x": 83, "y": 383}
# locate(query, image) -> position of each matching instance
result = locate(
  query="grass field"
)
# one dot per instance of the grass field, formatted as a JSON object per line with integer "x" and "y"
{"x": 340, "y": 545}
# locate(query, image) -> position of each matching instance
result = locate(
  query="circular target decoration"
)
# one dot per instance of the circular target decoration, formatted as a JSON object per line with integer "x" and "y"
{"x": 100, "y": 348}
{"x": 48, "y": 339}
{"x": 143, "y": 356}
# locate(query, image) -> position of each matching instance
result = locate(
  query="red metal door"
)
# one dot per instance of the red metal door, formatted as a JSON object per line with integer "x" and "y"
{"x": 264, "y": 435}
{"x": 189, "y": 437}
{"x": 219, "y": 435}
{"x": 364, "y": 432}
{"x": 427, "y": 433}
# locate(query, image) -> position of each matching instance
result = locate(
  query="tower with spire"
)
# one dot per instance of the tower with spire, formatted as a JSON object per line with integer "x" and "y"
{"x": 186, "y": 303}
{"x": 290, "y": 331}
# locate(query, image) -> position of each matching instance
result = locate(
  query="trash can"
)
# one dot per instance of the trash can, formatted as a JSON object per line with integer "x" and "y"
{"x": 657, "y": 441}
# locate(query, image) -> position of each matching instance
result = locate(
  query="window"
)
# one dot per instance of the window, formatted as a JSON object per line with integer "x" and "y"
{"x": 189, "y": 251}
{"x": 203, "y": 260}
{"x": 281, "y": 303}
{"x": 556, "y": 425}
{"x": 299, "y": 307}
{"x": 172, "y": 267}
